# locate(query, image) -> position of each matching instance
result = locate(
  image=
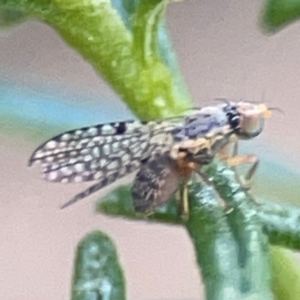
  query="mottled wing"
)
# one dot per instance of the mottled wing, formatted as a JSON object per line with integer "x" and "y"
{"x": 97, "y": 152}
{"x": 155, "y": 182}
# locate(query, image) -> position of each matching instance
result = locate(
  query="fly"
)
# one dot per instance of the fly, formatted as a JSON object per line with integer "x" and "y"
{"x": 165, "y": 152}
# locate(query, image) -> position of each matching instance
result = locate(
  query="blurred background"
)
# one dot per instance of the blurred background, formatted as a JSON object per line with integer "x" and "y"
{"x": 47, "y": 88}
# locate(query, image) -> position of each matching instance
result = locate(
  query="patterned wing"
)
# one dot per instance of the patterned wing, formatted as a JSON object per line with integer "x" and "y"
{"x": 94, "y": 153}
{"x": 156, "y": 181}
{"x": 101, "y": 153}
{"x": 90, "y": 153}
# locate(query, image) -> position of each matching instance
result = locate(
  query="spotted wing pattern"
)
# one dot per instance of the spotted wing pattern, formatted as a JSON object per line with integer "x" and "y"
{"x": 101, "y": 153}
{"x": 155, "y": 182}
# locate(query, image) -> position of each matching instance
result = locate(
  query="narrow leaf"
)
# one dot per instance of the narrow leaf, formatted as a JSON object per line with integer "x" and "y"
{"x": 98, "y": 275}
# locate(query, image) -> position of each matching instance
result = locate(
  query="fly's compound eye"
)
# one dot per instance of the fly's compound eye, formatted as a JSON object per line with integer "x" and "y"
{"x": 252, "y": 119}
{"x": 251, "y": 126}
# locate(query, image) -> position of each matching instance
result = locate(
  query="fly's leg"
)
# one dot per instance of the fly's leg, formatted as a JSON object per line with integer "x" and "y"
{"x": 185, "y": 203}
{"x": 182, "y": 195}
{"x": 242, "y": 160}
{"x": 182, "y": 200}
{"x": 205, "y": 178}
{"x": 238, "y": 160}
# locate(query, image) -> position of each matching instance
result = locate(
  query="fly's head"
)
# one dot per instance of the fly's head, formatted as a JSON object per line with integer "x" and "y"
{"x": 246, "y": 118}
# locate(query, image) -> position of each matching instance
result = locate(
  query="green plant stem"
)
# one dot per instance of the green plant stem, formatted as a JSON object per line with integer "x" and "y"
{"x": 281, "y": 223}
{"x": 252, "y": 243}
{"x": 97, "y": 31}
{"x": 215, "y": 246}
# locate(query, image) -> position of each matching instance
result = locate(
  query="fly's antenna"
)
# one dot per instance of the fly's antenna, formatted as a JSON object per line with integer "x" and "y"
{"x": 267, "y": 111}
{"x": 277, "y": 109}
{"x": 224, "y": 100}
{"x": 263, "y": 97}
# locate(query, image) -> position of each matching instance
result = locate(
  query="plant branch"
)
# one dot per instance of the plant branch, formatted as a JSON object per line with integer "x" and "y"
{"x": 97, "y": 30}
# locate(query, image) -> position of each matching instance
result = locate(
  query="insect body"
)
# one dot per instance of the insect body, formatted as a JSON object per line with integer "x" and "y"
{"x": 164, "y": 152}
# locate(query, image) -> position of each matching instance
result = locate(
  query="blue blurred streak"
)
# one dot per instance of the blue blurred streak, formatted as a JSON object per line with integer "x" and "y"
{"x": 36, "y": 108}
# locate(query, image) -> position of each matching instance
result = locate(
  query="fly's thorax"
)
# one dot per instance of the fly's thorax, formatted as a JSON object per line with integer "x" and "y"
{"x": 200, "y": 123}
{"x": 202, "y": 150}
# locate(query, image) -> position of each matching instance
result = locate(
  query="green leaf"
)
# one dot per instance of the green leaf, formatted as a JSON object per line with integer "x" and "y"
{"x": 280, "y": 13}
{"x": 98, "y": 275}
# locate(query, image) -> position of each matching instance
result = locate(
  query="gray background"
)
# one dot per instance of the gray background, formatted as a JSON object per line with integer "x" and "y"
{"x": 222, "y": 54}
